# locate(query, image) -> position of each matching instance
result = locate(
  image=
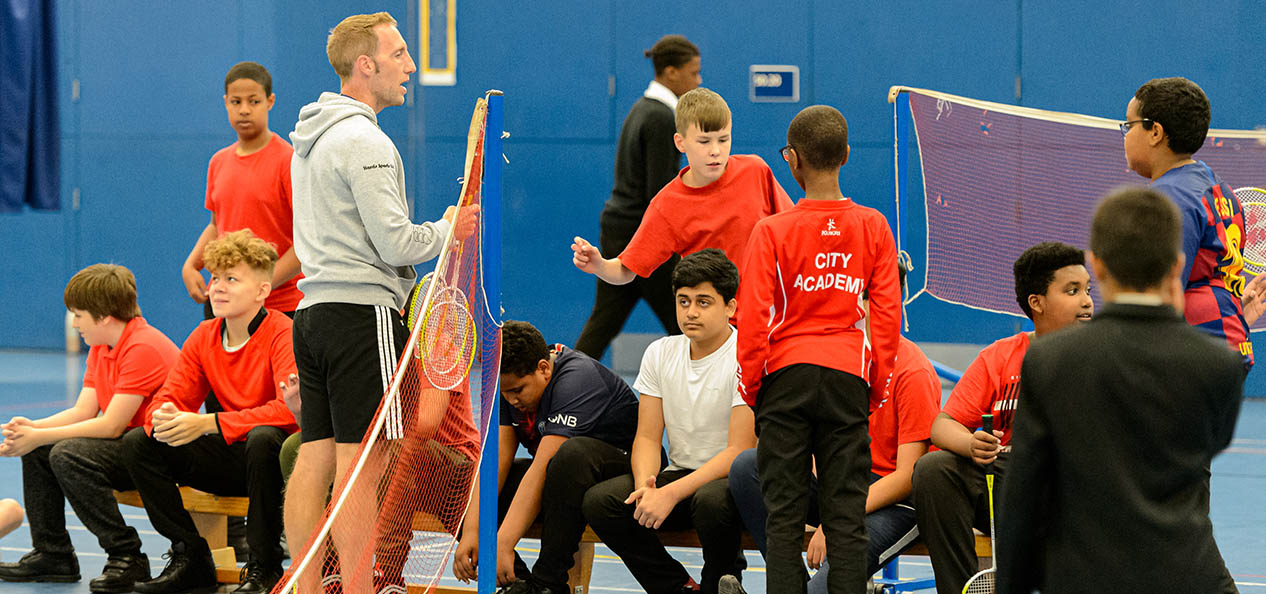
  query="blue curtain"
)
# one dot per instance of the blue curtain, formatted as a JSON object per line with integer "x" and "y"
{"x": 29, "y": 133}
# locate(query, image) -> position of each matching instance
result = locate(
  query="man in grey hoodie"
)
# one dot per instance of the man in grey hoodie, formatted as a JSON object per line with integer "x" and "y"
{"x": 357, "y": 245}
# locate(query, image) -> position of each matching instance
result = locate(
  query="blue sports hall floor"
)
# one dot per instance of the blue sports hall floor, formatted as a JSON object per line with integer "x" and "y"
{"x": 37, "y": 384}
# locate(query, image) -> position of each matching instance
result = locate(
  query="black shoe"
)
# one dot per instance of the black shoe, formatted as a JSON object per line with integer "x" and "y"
{"x": 186, "y": 573}
{"x": 37, "y": 566}
{"x": 120, "y": 574}
{"x": 531, "y": 586}
{"x": 255, "y": 579}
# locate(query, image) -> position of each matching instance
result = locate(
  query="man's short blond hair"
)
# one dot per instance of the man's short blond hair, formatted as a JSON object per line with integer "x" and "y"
{"x": 353, "y": 38}
{"x": 704, "y": 108}
{"x": 238, "y": 247}
{"x": 103, "y": 290}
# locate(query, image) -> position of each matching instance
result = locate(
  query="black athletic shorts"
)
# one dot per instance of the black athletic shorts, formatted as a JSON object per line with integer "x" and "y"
{"x": 346, "y": 355}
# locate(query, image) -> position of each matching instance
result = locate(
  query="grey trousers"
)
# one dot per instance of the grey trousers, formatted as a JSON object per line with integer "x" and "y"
{"x": 83, "y": 471}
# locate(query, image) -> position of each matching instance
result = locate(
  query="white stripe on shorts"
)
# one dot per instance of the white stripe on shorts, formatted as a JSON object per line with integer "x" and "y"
{"x": 386, "y": 364}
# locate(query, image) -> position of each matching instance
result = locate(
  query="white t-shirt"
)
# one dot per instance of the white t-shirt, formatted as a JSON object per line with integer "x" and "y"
{"x": 697, "y": 397}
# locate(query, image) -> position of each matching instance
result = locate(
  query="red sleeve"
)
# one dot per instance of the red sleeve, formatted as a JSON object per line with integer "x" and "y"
{"x": 918, "y": 396}
{"x": 973, "y": 394}
{"x": 186, "y": 386}
{"x": 273, "y": 412}
{"x": 885, "y": 308}
{"x": 777, "y": 196}
{"x": 652, "y": 245}
{"x": 209, "y": 203}
{"x": 142, "y": 370}
{"x": 759, "y": 278}
{"x": 287, "y": 194}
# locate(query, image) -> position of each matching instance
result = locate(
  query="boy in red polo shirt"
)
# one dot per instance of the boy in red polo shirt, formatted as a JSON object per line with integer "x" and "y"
{"x": 244, "y": 355}
{"x": 248, "y": 187}
{"x": 804, "y": 361}
{"x": 712, "y": 203}
{"x": 1052, "y": 287}
{"x": 77, "y": 455}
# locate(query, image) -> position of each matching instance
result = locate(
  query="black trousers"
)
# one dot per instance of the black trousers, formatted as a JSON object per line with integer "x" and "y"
{"x": 951, "y": 498}
{"x": 243, "y": 469}
{"x": 579, "y": 464}
{"x": 711, "y": 511}
{"x": 803, "y": 413}
{"x": 612, "y": 304}
{"x": 83, "y": 471}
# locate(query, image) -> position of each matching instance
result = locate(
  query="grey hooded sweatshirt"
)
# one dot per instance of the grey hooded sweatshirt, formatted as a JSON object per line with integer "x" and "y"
{"x": 353, "y": 228}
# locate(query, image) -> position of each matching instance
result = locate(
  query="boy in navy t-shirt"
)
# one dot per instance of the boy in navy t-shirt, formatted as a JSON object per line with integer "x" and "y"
{"x": 561, "y": 406}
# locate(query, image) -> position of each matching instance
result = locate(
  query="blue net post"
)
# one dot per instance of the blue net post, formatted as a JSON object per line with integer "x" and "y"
{"x": 491, "y": 215}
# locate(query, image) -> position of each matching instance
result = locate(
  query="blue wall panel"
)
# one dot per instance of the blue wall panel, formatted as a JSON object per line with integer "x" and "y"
{"x": 150, "y": 115}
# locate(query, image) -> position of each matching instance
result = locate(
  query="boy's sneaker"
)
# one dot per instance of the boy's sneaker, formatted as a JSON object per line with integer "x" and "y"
{"x": 37, "y": 566}
{"x": 256, "y": 579}
{"x": 730, "y": 585}
{"x": 531, "y": 586}
{"x": 187, "y": 572}
{"x": 121, "y": 573}
{"x": 388, "y": 582}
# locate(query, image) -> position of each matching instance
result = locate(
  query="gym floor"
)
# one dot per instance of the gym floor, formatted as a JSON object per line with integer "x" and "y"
{"x": 36, "y": 384}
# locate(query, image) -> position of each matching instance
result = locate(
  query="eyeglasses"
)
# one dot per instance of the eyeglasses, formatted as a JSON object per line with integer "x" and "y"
{"x": 1125, "y": 126}
{"x": 786, "y": 153}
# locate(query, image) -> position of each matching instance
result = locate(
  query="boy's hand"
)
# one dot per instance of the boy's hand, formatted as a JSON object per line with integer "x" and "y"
{"x": 816, "y": 553}
{"x": 466, "y": 559}
{"x": 984, "y": 447}
{"x": 194, "y": 283}
{"x": 467, "y": 222}
{"x": 176, "y": 428}
{"x": 1254, "y": 300}
{"x": 653, "y": 504}
{"x": 19, "y": 438}
{"x": 585, "y": 256}
{"x": 290, "y": 393}
{"x": 505, "y": 566}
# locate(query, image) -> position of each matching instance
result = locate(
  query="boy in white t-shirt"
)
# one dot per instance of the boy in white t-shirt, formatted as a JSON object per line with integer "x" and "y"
{"x": 689, "y": 389}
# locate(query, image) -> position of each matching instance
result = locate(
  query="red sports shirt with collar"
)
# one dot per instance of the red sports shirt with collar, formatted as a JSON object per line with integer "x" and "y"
{"x": 253, "y": 192}
{"x": 245, "y": 381}
{"x": 990, "y": 385}
{"x": 137, "y": 364}
{"x": 683, "y": 220}
{"x": 800, "y": 290}
{"x": 909, "y": 406}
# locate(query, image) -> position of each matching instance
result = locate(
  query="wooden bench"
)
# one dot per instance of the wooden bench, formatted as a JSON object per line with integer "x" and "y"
{"x": 210, "y": 514}
{"x": 582, "y": 568}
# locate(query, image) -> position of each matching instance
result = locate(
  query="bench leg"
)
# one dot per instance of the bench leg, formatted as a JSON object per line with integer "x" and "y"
{"x": 214, "y": 529}
{"x": 581, "y": 569}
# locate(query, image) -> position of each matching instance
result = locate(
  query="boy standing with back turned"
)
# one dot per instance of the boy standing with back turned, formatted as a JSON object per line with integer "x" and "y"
{"x": 1117, "y": 453}
{"x": 803, "y": 360}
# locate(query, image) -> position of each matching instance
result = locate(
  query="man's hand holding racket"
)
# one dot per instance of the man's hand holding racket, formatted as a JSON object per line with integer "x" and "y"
{"x": 467, "y": 221}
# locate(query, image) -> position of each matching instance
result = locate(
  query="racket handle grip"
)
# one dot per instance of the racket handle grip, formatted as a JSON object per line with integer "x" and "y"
{"x": 986, "y": 423}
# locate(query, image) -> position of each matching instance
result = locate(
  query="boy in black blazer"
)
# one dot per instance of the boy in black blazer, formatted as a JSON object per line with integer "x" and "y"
{"x": 1108, "y": 483}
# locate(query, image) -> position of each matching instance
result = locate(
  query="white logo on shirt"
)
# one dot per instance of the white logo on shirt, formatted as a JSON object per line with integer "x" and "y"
{"x": 562, "y": 419}
{"x": 830, "y": 228}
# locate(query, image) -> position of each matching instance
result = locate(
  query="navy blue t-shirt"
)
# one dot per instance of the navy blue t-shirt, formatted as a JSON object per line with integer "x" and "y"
{"x": 583, "y": 398}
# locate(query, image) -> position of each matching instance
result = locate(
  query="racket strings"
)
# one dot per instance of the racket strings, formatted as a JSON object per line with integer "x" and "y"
{"x": 1253, "y": 245}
